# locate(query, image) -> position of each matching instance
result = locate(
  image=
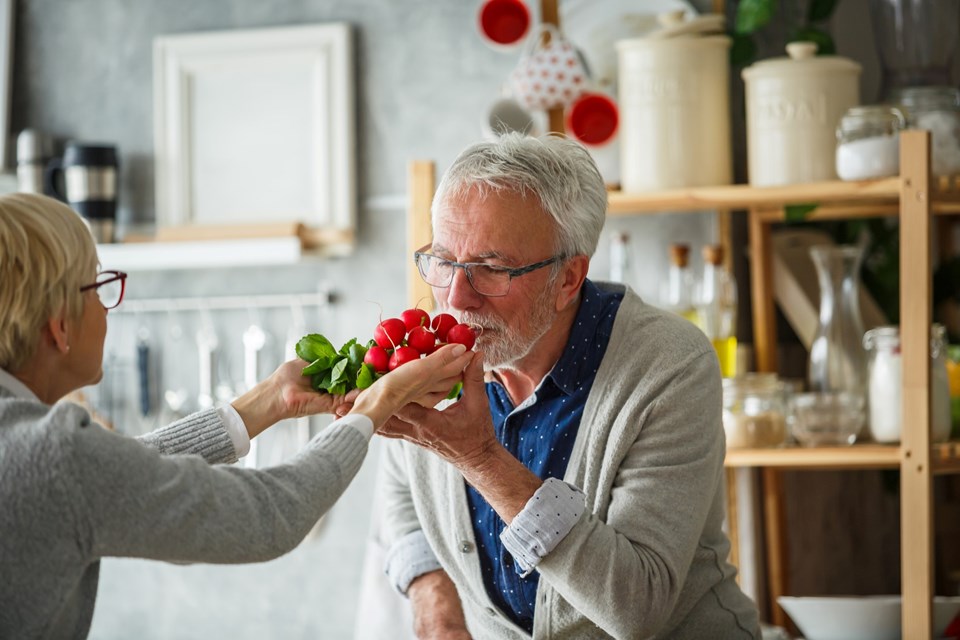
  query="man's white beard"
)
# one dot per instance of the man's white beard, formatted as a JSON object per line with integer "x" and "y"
{"x": 505, "y": 347}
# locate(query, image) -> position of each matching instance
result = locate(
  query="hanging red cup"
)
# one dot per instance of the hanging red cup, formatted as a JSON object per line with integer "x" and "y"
{"x": 504, "y": 22}
{"x": 592, "y": 119}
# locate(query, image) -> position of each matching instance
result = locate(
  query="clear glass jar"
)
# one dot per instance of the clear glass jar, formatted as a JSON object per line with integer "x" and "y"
{"x": 885, "y": 384}
{"x": 936, "y": 109}
{"x": 754, "y": 412}
{"x": 868, "y": 142}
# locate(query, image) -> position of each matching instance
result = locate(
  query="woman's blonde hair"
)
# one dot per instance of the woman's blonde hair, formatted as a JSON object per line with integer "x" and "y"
{"x": 46, "y": 254}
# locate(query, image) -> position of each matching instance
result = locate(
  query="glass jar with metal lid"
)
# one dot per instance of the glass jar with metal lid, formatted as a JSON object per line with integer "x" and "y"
{"x": 754, "y": 411}
{"x": 868, "y": 142}
{"x": 936, "y": 109}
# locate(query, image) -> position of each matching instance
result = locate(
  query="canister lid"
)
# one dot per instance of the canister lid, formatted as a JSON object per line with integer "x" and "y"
{"x": 801, "y": 58}
{"x": 679, "y": 25}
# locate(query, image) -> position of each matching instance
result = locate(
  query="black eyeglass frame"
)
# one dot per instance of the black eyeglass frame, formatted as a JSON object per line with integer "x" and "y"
{"x": 512, "y": 272}
{"x": 114, "y": 276}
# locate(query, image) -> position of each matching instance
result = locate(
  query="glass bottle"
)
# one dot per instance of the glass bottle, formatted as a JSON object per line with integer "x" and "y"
{"x": 915, "y": 40}
{"x": 837, "y": 360}
{"x": 754, "y": 411}
{"x": 717, "y": 308}
{"x": 936, "y": 109}
{"x": 868, "y": 142}
{"x": 620, "y": 263}
{"x": 678, "y": 292}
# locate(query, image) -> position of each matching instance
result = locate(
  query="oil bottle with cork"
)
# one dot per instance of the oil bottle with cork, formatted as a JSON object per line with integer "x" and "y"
{"x": 716, "y": 306}
{"x": 677, "y": 293}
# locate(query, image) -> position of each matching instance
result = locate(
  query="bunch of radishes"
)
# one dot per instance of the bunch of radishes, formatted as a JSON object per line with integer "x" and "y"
{"x": 414, "y": 334}
{"x": 396, "y": 341}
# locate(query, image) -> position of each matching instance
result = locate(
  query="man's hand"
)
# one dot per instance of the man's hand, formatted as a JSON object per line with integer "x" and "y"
{"x": 463, "y": 435}
{"x": 437, "y": 612}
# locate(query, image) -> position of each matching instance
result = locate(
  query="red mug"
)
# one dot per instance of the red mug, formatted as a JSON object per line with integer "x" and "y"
{"x": 504, "y": 22}
{"x": 592, "y": 118}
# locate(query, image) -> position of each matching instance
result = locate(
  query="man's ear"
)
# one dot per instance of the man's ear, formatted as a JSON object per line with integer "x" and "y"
{"x": 57, "y": 329}
{"x": 571, "y": 279}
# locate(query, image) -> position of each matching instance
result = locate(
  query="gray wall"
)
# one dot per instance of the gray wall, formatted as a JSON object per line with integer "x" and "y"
{"x": 83, "y": 70}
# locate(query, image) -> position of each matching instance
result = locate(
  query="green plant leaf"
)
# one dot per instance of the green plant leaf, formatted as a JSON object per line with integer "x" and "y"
{"x": 820, "y": 10}
{"x": 743, "y": 49}
{"x": 338, "y": 389}
{"x": 365, "y": 376}
{"x": 317, "y": 366}
{"x": 824, "y": 41}
{"x": 338, "y": 372}
{"x": 753, "y": 14}
{"x": 314, "y": 346}
{"x": 455, "y": 392}
{"x": 355, "y": 354}
{"x": 798, "y": 212}
{"x": 345, "y": 349}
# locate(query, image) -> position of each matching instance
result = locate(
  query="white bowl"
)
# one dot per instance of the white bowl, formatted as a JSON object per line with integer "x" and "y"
{"x": 860, "y": 617}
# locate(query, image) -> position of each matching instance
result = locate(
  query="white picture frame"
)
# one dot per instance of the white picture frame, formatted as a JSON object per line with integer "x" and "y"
{"x": 256, "y": 127}
{"x": 6, "y": 83}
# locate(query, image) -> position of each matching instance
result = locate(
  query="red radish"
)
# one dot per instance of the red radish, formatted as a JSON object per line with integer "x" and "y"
{"x": 389, "y": 333}
{"x": 422, "y": 339}
{"x": 462, "y": 334}
{"x": 413, "y": 318}
{"x": 378, "y": 358}
{"x": 441, "y": 325}
{"x": 402, "y": 356}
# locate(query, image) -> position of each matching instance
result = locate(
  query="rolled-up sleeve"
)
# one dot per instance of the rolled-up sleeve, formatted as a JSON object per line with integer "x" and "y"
{"x": 543, "y": 522}
{"x": 409, "y": 558}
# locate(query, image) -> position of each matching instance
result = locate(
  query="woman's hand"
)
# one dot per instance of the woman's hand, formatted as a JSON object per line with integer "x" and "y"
{"x": 285, "y": 394}
{"x": 425, "y": 382}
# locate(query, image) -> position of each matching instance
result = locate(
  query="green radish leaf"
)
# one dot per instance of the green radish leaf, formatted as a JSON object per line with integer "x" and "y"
{"x": 365, "y": 376}
{"x": 321, "y": 382}
{"x": 317, "y": 366}
{"x": 820, "y": 10}
{"x": 355, "y": 354}
{"x": 798, "y": 212}
{"x": 314, "y": 346}
{"x": 753, "y": 14}
{"x": 338, "y": 372}
{"x": 338, "y": 389}
{"x": 371, "y": 343}
{"x": 455, "y": 392}
{"x": 345, "y": 349}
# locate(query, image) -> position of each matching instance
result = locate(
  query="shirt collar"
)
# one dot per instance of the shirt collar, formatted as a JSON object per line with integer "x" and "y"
{"x": 17, "y": 388}
{"x": 568, "y": 372}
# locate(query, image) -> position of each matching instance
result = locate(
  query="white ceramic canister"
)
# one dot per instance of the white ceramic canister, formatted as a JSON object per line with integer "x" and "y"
{"x": 793, "y": 107}
{"x": 675, "y": 106}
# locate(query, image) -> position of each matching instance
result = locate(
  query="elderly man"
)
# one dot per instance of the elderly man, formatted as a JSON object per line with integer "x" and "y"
{"x": 575, "y": 489}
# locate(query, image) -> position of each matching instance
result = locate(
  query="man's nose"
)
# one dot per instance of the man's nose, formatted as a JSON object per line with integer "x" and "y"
{"x": 460, "y": 294}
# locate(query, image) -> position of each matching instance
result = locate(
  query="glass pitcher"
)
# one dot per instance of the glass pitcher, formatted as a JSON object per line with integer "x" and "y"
{"x": 837, "y": 360}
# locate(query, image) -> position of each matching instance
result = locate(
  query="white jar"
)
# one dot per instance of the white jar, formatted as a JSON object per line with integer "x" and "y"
{"x": 868, "y": 142}
{"x": 793, "y": 107}
{"x": 885, "y": 384}
{"x": 674, "y": 106}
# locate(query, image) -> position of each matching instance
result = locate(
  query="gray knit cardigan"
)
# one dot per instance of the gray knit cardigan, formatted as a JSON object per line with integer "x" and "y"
{"x": 72, "y": 492}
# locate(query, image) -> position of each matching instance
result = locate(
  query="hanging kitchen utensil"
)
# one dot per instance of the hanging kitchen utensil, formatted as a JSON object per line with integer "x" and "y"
{"x": 143, "y": 370}
{"x": 174, "y": 398}
{"x": 207, "y": 344}
{"x": 297, "y": 329}
{"x": 254, "y": 339}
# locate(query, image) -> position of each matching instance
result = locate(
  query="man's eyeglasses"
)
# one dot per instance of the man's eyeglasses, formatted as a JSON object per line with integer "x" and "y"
{"x": 486, "y": 279}
{"x": 110, "y": 286}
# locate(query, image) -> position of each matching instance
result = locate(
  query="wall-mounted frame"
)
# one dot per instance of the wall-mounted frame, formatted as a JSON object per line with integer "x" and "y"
{"x": 6, "y": 82}
{"x": 256, "y": 127}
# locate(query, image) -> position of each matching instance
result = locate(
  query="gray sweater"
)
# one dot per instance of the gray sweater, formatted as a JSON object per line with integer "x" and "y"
{"x": 648, "y": 556}
{"x": 72, "y": 492}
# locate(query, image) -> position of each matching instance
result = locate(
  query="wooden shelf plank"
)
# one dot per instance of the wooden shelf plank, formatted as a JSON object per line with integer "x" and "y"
{"x": 867, "y": 198}
{"x": 861, "y": 456}
{"x": 944, "y": 457}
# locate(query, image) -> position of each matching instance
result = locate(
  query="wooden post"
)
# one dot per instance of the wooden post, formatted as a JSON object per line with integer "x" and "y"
{"x": 916, "y": 482}
{"x": 550, "y": 14}
{"x": 761, "y": 291}
{"x": 775, "y": 534}
{"x": 421, "y": 183}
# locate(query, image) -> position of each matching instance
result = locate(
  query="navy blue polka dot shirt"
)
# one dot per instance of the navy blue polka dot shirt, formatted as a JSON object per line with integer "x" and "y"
{"x": 541, "y": 436}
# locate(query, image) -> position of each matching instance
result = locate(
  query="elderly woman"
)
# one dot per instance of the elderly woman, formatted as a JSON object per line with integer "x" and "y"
{"x": 72, "y": 492}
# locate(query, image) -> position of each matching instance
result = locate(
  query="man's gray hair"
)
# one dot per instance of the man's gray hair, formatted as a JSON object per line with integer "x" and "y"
{"x": 559, "y": 172}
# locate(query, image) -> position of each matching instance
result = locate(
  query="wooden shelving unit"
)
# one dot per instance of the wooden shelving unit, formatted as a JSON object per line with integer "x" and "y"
{"x": 908, "y": 196}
